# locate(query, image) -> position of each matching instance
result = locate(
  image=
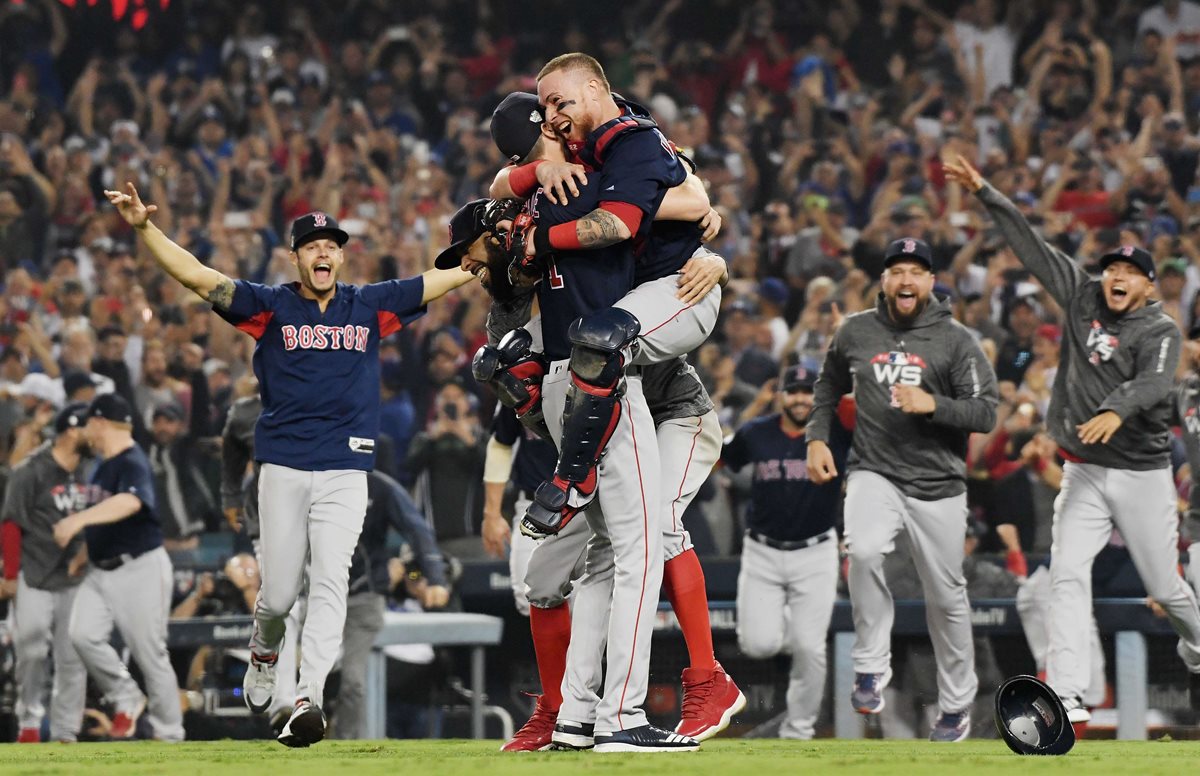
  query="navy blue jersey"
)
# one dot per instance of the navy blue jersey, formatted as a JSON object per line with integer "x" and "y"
{"x": 784, "y": 504}
{"x": 535, "y": 458}
{"x": 126, "y": 472}
{"x": 637, "y": 166}
{"x": 319, "y": 373}
{"x": 577, "y": 283}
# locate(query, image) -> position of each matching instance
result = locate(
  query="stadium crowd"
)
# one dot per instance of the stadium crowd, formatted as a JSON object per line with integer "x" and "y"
{"x": 819, "y": 128}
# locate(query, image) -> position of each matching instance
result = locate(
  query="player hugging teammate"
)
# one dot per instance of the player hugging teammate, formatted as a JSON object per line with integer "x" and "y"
{"x": 600, "y": 371}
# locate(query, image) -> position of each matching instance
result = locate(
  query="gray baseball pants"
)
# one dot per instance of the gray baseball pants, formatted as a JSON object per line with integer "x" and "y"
{"x": 876, "y": 511}
{"x": 41, "y": 630}
{"x": 785, "y": 601}
{"x": 1142, "y": 505}
{"x": 314, "y": 517}
{"x": 364, "y": 620}
{"x": 136, "y": 597}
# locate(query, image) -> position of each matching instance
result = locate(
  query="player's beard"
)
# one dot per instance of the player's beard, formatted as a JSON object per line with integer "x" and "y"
{"x": 902, "y": 318}
{"x": 798, "y": 415}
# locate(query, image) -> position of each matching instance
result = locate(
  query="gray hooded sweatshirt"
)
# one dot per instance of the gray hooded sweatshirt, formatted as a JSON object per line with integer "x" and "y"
{"x": 923, "y": 455}
{"x": 1123, "y": 363}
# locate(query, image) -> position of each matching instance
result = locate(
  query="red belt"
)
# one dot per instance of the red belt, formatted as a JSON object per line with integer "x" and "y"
{"x": 1071, "y": 457}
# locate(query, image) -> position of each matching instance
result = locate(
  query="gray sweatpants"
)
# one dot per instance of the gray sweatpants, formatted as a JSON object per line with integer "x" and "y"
{"x": 876, "y": 511}
{"x": 41, "y": 622}
{"x": 314, "y": 517}
{"x": 785, "y": 601}
{"x": 136, "y": 597}
{"x": 364, "y": 620}
{"x": 1142, "y": 505}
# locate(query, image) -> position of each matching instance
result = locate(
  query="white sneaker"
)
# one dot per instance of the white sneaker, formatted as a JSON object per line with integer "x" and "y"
{"x": 258, "y": 686}
{"x": 1076, "y": 711}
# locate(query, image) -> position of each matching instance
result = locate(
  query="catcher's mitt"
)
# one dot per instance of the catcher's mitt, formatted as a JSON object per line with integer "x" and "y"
{"x": 522, "y": 269}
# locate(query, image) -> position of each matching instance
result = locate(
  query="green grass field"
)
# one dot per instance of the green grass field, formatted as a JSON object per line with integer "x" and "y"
{"x": 730, "y": 757}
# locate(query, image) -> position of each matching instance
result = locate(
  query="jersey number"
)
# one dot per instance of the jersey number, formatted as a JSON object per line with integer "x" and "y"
{"x": 556, "y": 280}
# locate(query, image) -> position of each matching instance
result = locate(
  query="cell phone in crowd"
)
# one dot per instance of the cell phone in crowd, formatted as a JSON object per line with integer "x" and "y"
{"x": 451, "y": 411}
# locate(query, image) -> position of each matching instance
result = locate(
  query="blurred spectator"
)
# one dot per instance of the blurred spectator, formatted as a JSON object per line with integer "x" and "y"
{"x": 186, "y": 503}
{"x": 447, "y": 462}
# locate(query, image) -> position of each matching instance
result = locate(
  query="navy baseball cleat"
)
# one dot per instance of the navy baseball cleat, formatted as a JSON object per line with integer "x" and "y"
{"x": 951, "y": 728}
{"x": 646, "y": 738}
{"x": 573, "y": 735}
{"x": 305, "y": 727}
{"x": 867, "y": 697}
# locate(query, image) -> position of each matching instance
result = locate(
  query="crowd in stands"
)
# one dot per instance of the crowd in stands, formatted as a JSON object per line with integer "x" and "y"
{"x": 819, "y": 128}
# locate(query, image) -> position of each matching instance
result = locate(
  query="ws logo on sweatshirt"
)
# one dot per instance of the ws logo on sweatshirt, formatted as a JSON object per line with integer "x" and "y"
{"x": 1101, "y": 344}
{"x": 897, "y": 368}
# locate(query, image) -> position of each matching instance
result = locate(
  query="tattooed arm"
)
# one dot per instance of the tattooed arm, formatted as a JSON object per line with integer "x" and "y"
{"x": 212, "y": 286}
{"x": 598, "y": 229}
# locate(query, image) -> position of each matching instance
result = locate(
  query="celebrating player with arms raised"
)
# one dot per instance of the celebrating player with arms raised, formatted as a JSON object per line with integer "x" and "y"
{"x": 317, "y": 362}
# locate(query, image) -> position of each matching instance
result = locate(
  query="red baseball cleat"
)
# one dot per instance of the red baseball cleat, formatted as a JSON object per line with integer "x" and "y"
{"x": 710, "y": 699}
{"x": 534, "y": 735}
{"x": 29, "y": 736}
{"x": 124, "y": 722}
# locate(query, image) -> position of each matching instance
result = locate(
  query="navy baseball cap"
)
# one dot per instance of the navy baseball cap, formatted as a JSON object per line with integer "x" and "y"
{"x": 465, "y": 228}
{"x": 112, "y": 407}
{"x": 517, "y": 125}
{"x": 1132, "y": 254}
{"x": 908, "y": 249}
{"x": 799, "y": 378}
{"x": 312, "y": 225}
{"x": 74, "y": 415}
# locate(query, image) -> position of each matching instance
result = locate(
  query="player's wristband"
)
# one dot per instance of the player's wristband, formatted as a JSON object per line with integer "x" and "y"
{"x": 523, "y": 180}
{"x": 562, "y": 237}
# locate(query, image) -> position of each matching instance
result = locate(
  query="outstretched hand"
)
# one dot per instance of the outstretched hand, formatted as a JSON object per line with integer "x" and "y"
{"x": 130, "y": 206}
{"x": 963, "y": 173}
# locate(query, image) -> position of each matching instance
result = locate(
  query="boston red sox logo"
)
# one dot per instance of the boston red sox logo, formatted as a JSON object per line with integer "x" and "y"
{"x": 1127, "y": 250}
{"x": 318, "y": 219}
{"x": 910, "y": 246}
{"x": 1101, "y": 344}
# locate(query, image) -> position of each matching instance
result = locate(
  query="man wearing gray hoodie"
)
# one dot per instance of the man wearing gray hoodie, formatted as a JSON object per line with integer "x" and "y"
{"x": 1110, "y": 412}
{"x": 922, "y": 385}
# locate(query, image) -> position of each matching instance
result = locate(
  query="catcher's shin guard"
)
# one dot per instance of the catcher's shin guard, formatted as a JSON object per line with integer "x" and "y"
{"x": 591, "y": 415}
{"x": 516, "y": 373}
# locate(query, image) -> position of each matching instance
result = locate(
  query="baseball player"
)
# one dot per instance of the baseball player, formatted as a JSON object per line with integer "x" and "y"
{"x": 515, "y": 455}
{"x": 789, "y": 573}
{"x": 317, "y": 363}
{"x": 43, "y": 489}
{"x": 921, "y": 385}
{"x": 1110, "y": 413}
{"x": 239, "y": 500}
{"x": 1187, "y": 416}
{"x": 688, "y": 436}
{"x": 129, "y": 581}
{"x": 635, "y": 168}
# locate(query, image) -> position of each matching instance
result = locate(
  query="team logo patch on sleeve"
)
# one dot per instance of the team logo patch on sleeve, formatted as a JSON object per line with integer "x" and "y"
{"x": 362, "y": 445}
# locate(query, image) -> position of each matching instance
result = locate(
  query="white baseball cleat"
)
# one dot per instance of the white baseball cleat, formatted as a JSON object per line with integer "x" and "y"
{"x": 258, "y": 686}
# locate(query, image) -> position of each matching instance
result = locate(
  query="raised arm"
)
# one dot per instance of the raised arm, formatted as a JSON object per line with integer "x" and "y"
{"x": 1056, "y": 271}
{"x": 214, "y": 287}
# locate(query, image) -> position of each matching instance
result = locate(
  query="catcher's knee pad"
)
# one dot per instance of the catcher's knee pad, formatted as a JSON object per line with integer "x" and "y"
{"x": 597, "y": 341}
{"x": 593, "y": 400}
{"x": 516, "y": 373}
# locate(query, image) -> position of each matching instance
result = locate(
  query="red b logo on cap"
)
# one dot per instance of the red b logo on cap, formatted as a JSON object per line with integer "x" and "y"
{"x": 910, "y": 246}
{"x": 1127, "y": 250}
{"x": 318, "y": 219}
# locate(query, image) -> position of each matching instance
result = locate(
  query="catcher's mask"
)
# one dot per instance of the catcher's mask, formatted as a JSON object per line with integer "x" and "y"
{"x": 1031, "y": 718}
